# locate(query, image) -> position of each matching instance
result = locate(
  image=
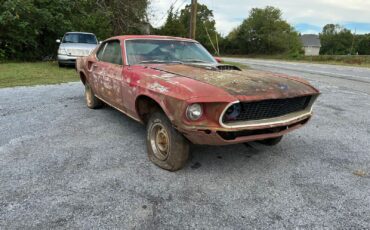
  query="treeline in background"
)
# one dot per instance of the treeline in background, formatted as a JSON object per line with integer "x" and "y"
{"x": 28, "y": 28}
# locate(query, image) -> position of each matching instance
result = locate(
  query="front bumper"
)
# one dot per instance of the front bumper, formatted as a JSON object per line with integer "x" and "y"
{"x": 67, "y": 59}
{"x": 227, "y": 136}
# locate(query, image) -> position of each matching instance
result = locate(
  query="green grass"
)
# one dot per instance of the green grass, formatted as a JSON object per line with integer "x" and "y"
{"x": 345, "y": 60}
{"x": 34, "y": 73}
{"x": 44, "y": 73}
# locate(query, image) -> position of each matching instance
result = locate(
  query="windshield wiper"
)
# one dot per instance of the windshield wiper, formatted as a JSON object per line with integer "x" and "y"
{"x": 160, "y": 61}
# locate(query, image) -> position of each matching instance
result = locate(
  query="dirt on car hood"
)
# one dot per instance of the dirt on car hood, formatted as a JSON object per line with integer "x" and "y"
{"x": 246, "y": 82}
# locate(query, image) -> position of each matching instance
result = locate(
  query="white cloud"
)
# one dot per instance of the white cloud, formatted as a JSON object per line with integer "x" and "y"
{"x": 230, "y": 13}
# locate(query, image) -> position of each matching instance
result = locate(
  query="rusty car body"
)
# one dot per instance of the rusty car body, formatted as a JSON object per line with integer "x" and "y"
{"x": 191, "y": 100}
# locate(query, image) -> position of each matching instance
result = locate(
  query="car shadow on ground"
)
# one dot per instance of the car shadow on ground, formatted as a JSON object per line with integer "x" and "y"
{"x": 201, "y": 156}
{"x": 230, "y": 155}
{"x": 67, "y": 66}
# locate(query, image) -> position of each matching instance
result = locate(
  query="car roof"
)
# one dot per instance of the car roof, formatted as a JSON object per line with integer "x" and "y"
{"x": 79, "y": 33}
{"x": 132, "y": 37}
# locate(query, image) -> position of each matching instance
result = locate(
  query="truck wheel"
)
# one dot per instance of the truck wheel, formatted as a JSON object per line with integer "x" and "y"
{"x": 271, "y": 141}
{"x": 167, "y": 148}
{"x": 91, "y": 100}
{"x": 61, "y": 65}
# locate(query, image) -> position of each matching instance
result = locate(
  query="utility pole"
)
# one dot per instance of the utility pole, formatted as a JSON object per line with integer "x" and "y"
{"x": 353, "y": 41}
{"x": 193, "y": 19}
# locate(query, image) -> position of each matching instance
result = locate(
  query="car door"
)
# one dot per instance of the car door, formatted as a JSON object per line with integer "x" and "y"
{"x": 110, "y": 77}
{"x": 96, "y": 70}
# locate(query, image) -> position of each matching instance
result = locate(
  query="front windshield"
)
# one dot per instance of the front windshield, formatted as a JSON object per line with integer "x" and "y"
{"x": 80, "y": 38}
{"x": 166, "y": 51}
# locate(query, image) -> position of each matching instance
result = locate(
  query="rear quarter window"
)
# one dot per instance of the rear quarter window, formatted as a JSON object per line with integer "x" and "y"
{"x": 99, "y": 54}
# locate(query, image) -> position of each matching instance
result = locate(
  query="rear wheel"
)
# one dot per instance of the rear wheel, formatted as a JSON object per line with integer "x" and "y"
{"x": 167, "y": 148}
{"x": 61, "y": 65}
{"x": 91, "y": 100}
{"x": 271, "y": 141}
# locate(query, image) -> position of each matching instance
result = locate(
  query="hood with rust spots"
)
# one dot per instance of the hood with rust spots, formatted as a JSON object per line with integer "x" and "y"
{"x": 243, "y": 83}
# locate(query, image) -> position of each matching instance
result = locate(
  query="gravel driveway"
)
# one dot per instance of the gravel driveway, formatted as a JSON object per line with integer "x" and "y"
{"x": 65, "y": 166}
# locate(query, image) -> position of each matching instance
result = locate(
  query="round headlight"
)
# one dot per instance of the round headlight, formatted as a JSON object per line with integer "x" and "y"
{"x": 194, "y": 112}
{"x": 62, "y": 51}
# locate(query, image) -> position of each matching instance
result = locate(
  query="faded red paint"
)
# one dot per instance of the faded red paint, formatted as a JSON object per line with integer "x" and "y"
{"x": 174, "y": 87}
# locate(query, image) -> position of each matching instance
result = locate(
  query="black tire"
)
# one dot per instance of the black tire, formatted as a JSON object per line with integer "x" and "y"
{"x": 61, "y": 65}
{"x": 91, "y": 100}
{"x": 167, "y": 148}
{"x": 271, "y": 141}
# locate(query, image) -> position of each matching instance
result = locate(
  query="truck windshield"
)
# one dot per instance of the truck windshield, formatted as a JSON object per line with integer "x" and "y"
{"x": 166, "y": 51}
{"x": 80, "y": 38}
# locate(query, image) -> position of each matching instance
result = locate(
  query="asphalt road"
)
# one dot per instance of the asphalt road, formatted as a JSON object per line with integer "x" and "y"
{"x": 65, "y": 166}
{"x": 354, "y": 78}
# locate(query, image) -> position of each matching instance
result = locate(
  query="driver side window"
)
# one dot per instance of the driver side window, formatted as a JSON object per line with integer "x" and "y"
{"x": 111, "y": 52}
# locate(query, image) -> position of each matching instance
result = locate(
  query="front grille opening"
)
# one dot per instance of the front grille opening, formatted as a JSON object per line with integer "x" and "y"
{"x": 233, "y": 135}
{"x": 248, "y": 111}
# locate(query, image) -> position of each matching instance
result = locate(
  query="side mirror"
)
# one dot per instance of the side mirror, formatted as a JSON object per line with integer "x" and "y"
{"x": 218, "y": 59}
{"x": 58, "y": 40}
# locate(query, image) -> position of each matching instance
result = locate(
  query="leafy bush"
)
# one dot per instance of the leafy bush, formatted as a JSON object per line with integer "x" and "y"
{"x": 29, "y": 28}
{"x": 2, "y": 55}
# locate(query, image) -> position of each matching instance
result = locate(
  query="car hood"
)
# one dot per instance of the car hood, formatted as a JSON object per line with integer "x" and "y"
{"x": 250, "y": 83}
{"x": 83, "y": 46}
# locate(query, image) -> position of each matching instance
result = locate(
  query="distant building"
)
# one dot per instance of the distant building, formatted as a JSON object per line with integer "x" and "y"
{"x": 311, "y": 44}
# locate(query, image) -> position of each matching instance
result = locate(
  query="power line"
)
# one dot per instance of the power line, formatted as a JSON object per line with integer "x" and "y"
{"x": 168, "y": 11}
{"x": 171, "y": 7}
{"x": 183, "y": 2}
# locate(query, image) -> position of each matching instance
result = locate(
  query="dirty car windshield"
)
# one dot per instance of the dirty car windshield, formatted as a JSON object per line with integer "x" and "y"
{"x": 166, "y": 51}
{"x": 80, "y": 38}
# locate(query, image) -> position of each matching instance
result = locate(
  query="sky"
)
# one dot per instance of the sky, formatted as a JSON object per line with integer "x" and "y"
{"x": 307, "y": 16}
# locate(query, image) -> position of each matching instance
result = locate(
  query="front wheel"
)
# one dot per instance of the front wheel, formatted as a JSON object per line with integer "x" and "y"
{"x": 91, "y": 100}
{"x": 167, "y": 148}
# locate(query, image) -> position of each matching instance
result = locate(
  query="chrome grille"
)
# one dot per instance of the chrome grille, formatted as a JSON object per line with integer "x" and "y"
{"x": 247, "y": 111}
{"x": 78, "y": 52}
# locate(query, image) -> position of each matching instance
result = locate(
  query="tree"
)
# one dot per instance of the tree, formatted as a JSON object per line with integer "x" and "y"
{"x": 178, "y": 24}
{"x": 29, "y": 28}
{"x": 127, "y": 16}
{"x": 336, "y": 40}
{"x": 363, "y": 46}
{"x": 264, "y": 32}
{"x": 172, "y": 26}
{"x": 88, "y": 17}
{"x": 27, "y": 25}
{"x": 206, "y": 25}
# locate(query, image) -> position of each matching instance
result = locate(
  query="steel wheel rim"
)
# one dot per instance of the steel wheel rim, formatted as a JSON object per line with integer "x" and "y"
{"x": 160, "y": 141}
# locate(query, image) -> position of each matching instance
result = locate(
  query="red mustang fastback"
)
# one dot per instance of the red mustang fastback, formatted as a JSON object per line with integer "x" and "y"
{"x": 183, "y": 95}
